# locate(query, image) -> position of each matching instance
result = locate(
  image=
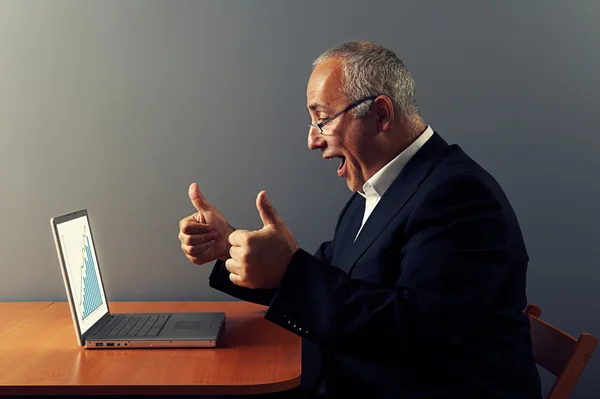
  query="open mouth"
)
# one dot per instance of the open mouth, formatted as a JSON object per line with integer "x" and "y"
{"x": 341, "y": 170}
{"x": 342, "y": 167}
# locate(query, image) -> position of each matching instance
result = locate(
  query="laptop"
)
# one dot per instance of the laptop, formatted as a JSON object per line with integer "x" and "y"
{"x": 95, "y": 326}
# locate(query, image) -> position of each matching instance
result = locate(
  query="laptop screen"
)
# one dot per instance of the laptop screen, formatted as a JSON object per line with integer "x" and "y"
{"x": 83, "y": 275}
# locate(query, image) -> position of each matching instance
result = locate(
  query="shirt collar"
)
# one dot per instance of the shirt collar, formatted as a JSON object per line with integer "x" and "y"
{"x": 378, "y": 184}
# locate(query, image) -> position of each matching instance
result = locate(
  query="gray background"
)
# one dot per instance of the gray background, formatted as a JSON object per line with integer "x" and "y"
{"x": 117, "y": 106}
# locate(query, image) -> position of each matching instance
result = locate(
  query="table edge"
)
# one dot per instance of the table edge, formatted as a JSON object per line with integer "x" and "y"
{"x": 271, "y": 387}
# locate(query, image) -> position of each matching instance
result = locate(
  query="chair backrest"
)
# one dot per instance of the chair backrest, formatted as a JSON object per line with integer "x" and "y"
{"x": 559, "y": 353}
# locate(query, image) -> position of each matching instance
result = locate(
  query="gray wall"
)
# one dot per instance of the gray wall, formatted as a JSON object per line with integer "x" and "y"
{"x": 117, "y": 106}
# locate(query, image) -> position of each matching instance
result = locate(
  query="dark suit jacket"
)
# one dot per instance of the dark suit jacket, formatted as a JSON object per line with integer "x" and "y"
{"x": 427, "y": 303}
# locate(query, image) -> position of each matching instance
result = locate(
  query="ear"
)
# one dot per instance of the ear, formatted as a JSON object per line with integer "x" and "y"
{"x": 384, "y": 112}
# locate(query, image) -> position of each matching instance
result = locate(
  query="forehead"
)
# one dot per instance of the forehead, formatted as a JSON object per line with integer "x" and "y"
{"x": 324, "y": 86}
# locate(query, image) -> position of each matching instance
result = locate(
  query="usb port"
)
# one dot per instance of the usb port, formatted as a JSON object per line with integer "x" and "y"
{"x": 110, "y": 344}
{"x": 99, "y": 344}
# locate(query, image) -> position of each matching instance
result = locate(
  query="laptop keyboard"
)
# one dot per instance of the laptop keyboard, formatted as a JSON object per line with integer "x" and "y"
{"x": 123, "y": 326}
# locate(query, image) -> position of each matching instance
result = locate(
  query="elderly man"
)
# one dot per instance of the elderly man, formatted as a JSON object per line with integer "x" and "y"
{"x": 420, "y": 292}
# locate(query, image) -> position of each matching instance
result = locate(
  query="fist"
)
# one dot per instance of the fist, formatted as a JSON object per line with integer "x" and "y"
{"x": 259, "y": 259}
{"x": 204, "y": 234}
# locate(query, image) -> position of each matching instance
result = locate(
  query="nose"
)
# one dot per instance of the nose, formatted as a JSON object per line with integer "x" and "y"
{"x": 315, "y": 140}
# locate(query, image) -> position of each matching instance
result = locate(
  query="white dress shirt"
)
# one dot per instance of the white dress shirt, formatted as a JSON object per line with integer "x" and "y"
{"x": 377, "y": 185}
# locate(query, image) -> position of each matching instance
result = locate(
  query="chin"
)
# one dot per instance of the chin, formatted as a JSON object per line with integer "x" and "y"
{"x": 352, "y": 183}
{"x": 353, "y": 186}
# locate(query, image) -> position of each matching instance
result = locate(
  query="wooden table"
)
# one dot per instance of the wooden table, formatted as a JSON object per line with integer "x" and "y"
{"x": 13, "y": 313}
{"x": 39, "y": 354}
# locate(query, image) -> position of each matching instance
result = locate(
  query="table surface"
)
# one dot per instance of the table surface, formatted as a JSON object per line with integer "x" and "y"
{"x": 39, "y": 354}
{"x": 14, "y": 313}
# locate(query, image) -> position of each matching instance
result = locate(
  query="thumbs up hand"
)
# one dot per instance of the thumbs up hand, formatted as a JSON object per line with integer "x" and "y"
{"x": 260, "y": 258}
{"x": 204, "y": 234}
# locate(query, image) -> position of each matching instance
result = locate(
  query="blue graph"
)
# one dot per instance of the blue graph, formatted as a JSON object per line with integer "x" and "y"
{"x": 91, "y": 298}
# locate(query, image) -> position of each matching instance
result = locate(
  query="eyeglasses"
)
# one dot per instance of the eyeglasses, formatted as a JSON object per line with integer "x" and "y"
{"x": 319, "y": 126}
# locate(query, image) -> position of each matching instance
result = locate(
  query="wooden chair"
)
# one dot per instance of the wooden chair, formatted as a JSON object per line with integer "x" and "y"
{"x": 559, "y": 353}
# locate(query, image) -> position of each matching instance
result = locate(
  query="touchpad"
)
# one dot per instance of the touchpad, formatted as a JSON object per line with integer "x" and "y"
{"x": 187, "y": 325}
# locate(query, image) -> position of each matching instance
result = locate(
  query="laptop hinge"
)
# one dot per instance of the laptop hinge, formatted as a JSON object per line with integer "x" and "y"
{"x": 98, "y": 326}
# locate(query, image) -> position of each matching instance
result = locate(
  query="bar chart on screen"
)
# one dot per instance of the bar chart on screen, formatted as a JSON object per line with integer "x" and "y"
{"x": 90, "y": 297}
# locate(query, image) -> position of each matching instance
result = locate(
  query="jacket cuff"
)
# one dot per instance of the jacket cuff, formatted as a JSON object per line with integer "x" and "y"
{"x": 213, "y": 279}
{"x": 293, "y": 298}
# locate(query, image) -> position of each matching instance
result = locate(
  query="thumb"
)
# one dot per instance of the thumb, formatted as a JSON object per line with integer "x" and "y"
{"x": 267, "y": 213}
{"x": 200, "y": 203}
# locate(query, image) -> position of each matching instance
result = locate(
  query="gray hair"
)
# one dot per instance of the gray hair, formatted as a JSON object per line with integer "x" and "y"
{"x": 372, "y": 69}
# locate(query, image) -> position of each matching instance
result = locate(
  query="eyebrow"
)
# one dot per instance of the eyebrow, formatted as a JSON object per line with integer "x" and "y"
{"x": 317, "y": 107}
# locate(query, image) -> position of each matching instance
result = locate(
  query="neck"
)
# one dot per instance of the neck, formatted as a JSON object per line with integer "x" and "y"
{"x": 392, "y": 142}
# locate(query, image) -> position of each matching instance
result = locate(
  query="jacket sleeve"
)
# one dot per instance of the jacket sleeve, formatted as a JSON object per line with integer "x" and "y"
{"x": 453, "y": 262}
{"x": 219, "y": 279}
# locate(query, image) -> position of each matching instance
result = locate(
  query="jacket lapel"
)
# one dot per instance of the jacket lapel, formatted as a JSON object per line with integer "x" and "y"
{"x": 346, "y": 232}
{"x": 392, "y": 202}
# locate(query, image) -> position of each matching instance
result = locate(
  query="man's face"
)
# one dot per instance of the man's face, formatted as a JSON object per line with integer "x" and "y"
{"x": 346, "y": 139}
